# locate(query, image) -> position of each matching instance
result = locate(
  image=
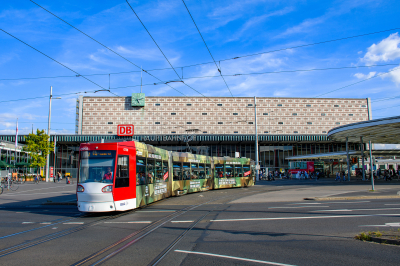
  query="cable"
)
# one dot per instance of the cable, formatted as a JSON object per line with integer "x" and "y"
{"x": 50, "y": 58}
{"x": 396, "y": 68}
{"x": 104, "y": 46}
{"x": 219, "y": 70}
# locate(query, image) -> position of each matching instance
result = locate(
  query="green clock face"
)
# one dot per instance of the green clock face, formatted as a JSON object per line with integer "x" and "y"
{"x": 138, "y": 100}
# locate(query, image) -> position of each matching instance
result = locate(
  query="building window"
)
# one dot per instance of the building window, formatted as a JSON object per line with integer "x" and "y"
{"x": 235, "y": 132}
{"x": 173, "y": 132}
{"x": 294, "y": 114}
{"x": 219, "y": 104}
{"x": 323, "y": 131}
{"x": 337, "y": 123}
{"x": 250, "y": 123}
{"x": 295, "y": 132}
{"x": 109, "y": 132}
{"x": 173, "y": 113}
{"x": 250, "y": 104}
{"x": 220, "y": 123}
{"x": 350, "y": 114}
{"x": 157, "y": 104}
{"x": 279, "y": 104}
{"x": 308, "y": 105}
{"x": 280, "y": 123}
{"x": 265, "y": 113}
{"x": 309, "y": 123}
{"x": 323, "y": 114}
{"x": 110, "y": 123}
{"x": 363, "y": 106}
{"x": 235, "y": 113}
{"x": 336, "y": 105}
{"x": 204, "y": 113}
{"x": 265, "y": 132}
{"x": 188, "y": 104}
{"x": 189, "y": 123}
{"x": 204, "y": 132}
{"x": 157, "y": 123}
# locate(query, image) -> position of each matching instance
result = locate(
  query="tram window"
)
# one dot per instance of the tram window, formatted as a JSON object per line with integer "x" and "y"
{"x": 195, "y": 171}
{"x": 239, "y": 170}
{"x": 140, "y": 171}
{"x": 186, "y": 171}
{"x": 97, "y": 166}
{"x": 246, "y": 170}
{"x": 165, "y": 170}
{"x": 122, "y": 175}
{"x": 158, "y": 171}
{"x": 202, "y": 174}
{"x": 150, "y": 170}
{"x": 219, "y": 170}
{"x": 207, "y": 171}
{"x": 229, "y": 170}
{"x": 177, "y": 171}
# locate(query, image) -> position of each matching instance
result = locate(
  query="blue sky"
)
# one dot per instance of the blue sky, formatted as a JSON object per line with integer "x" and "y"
{"x": 230, "y": 28}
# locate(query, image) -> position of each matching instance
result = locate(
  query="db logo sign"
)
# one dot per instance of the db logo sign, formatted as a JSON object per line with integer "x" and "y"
{"x": 125, "y": 130}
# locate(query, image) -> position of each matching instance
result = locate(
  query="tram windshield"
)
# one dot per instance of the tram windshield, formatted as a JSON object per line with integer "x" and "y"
{"x": 97, "y": 166}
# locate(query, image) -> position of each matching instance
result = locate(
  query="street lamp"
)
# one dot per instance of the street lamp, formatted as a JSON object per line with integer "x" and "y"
{"x": 48, "y": 131}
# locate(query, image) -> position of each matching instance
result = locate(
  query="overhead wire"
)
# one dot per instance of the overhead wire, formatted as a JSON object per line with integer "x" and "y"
{"x": 105, "y": 46}
{"x": 208, "y": 49}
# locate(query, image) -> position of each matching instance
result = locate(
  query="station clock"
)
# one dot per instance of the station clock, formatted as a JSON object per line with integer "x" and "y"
{"x": 138, "y": 100}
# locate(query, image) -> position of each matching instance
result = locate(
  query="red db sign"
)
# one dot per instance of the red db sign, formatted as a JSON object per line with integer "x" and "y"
{"x": 125, "y": 130}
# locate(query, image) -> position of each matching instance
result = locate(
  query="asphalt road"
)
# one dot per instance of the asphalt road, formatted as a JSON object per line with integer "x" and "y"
{"x": 269, "y": 223}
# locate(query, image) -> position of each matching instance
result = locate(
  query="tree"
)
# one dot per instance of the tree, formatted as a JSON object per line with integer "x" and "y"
{"x": 39, "y": 147}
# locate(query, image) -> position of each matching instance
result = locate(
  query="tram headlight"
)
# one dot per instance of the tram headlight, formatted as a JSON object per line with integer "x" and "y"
{"x": 107, "y": 189}
{"x": 80, "y": 188}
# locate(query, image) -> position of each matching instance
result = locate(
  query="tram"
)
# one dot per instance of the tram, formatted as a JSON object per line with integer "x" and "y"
{"x": 125, "y": 175}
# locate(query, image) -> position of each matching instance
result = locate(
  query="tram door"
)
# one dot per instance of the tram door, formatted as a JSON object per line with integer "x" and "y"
{"x": 124, "y": 192}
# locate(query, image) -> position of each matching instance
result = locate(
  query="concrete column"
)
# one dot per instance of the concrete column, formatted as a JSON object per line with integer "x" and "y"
{"x": 348, "y": 158}
{"x": 362, "y": 158}
{"x": 371, "y": 165}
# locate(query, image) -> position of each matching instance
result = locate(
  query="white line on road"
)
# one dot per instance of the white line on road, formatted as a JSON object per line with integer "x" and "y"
{"x": 302, "y": 203}
{"x": 59, "y": 192}
{"x": 131, "y": 222}
{"x": 182, "y": 221}
{"x": 45, "y": 223}
{"x": 304, "y": 217}
{"x": 298, "y": 207}
{"x": 37, "y": 189}
{"x": 158, "y": 211}
{"x": 380, "y": 225}
{"x": 350, "y": 210}
{"x": 27, "y": 222}
{"x": 74, "y": 223}
{"x": 231, "y": 257}
{"x": 393, "y": 204}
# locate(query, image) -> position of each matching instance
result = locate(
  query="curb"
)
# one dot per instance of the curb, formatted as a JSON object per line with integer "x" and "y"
{"x": 354, "y": 198}
{"x": 385, "y": 240}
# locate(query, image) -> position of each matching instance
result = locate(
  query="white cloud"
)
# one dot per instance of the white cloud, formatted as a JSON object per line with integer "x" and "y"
{"x": 386, "y": 50}
{"x": 363, "y": 76}
{"x": 386, "y": 146}
{"x": 394, "y": 75}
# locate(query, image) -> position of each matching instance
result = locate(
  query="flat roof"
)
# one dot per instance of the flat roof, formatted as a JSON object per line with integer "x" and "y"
{"x": 343, "y": 154}
{"x": 384, "y": 130}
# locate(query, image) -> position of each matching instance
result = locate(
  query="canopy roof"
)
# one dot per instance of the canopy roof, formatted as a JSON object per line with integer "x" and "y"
{"x": 343, "y": 154}
{"x": 385, "y": 131}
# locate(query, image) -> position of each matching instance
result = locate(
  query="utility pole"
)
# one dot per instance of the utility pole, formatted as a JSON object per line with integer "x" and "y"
{"x": 256, "y": 136}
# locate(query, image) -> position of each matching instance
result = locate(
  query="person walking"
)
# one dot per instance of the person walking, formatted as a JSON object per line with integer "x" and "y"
{"x": 338, "y": 177}
{"x": 58, "y": 176}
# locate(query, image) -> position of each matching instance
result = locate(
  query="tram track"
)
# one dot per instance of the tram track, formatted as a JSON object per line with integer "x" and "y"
{"x": 116, "y": 248}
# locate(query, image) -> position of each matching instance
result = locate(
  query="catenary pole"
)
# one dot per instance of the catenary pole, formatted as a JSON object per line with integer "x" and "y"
{"x": 371, "y": 166}
{"x": 256, "y": 143}
{"x": 348, "y": 158}
{"x": 362, "y": 158}
{"x": 48, "y": 132}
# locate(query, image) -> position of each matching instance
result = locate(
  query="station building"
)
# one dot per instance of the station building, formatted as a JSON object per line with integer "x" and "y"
{"x": 215, "y": 126}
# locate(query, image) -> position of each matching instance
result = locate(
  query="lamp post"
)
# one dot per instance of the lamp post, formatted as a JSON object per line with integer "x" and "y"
{"x": 48, "y": 132}
{"x": 256, "y": 144}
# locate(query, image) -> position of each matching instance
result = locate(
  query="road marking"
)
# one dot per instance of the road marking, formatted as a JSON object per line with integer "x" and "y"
{"x": 27, "y": 222}
{"x": 54, "y": 228}
{"x": 380, "y": 225}
{"x": 297, "y": 207}
{"x": 231, "y": 257}
{"x": 304, "y": 217}
{"x": 45, "y": 223}
{"x": 304, "y": 203}
{"x": 131, "y": 222}
{"x": 158, "y": 211}
{"x": 393, "y": 204}
{"x": 182, "y": 221}
{"x": 59, "y": 192}
{"x": 350, "y": 210}
{"x": 74, "y": 223}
